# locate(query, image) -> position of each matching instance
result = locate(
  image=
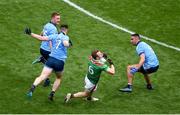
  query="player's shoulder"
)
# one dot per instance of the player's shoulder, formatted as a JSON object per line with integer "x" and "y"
{"x": 105, "y": 65}
{"x": 49, "y": 25}
{"x": 97, "y": 65}
{"x": 141, "y": 44}
{"x": 53, "y": 36}
{"x": 63, "y": 36}
{"x": 66, "y": 36}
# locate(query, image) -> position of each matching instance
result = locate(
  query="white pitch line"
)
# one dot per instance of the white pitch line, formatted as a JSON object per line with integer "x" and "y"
{"x": 118, "y": 27}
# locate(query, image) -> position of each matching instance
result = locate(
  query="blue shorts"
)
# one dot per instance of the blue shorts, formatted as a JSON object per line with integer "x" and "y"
{"x": 44, "y": 53}
{"x": 55, "y": 64}
{"x": 148, "y": 71}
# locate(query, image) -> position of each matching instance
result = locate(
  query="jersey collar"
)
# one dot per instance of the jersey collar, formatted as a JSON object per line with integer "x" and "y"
{"x": 138, "y": 43}
{"x": 62, "y": 32}
{"x": 52, "y": 23}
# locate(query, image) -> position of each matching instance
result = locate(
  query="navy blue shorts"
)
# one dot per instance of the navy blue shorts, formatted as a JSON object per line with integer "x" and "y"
{"x": 148, "y": 71}
{"x": 44, "y": 53}
{"x": 55, "y": 64}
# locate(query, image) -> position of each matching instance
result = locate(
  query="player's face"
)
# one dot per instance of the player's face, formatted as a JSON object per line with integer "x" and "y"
{"x": 56, "y": 19}
{"x": 133, "y": 40}
{"x": 100, "y": 57}
{"x": 100, "y": 54}
{"x": 66, "y": 31}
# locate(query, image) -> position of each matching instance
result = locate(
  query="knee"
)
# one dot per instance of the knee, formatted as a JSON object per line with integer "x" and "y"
{"x": 86, "y": 94}
{"x": 42, "y": 77}
{"x": 128, "y": 67}
{"x": 58, "y": 76}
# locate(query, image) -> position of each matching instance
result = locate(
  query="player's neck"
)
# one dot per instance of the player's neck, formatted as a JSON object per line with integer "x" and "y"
{"x": 63, "y": 32}
{"x": 52, "y": 23}
{"x": 138, "y": 42}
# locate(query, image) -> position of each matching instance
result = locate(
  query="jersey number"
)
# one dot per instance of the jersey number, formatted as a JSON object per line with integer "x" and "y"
{"x": 58, "y": 43}
{"x": 91, "y": 70}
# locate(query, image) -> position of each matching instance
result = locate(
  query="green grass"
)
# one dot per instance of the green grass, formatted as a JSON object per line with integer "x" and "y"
{"x": 156, "y": 19}
{"x": 18, "y": 51}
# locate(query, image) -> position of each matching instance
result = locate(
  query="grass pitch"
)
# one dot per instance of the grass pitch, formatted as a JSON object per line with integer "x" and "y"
{"x": 156, "y": 19}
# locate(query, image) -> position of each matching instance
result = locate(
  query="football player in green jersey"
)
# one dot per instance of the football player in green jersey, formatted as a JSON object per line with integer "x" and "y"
{"x": 96, "y": 65}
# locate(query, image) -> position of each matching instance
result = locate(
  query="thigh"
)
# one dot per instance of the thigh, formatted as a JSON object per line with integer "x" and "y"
{"x": 89, "y": 87}
{"x": 59, "y": 74}
{"x": 46, "y": 71}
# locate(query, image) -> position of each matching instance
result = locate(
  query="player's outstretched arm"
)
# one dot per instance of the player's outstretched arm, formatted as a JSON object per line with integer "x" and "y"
{"x": 111, "y": 70}
{"x": 39, "y": 37}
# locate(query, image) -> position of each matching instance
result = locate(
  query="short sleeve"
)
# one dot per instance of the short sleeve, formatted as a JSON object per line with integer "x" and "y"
{"x": 140, "y": 49}
{"x": 66, "y": 38}
{"x": 105, "y": 67}
{"x": 51, "y": 37}
{"x": 53, "y": 31}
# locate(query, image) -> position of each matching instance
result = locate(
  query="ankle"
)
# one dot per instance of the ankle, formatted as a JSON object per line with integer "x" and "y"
{"x": 32, "y": 88}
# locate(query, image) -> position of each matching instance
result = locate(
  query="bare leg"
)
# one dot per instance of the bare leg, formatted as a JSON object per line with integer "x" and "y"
{"x": 57, "y": 82}
{"x": 44, "y": 74}
{"x": 129, "y": 75}
{"x": 148, "y": 81}
{"x": 128, "y": 88}
{"x": 80, "y": 94}
{"x": 56, "y": 85}
{"x": 76, "y": 95}
{"x": 147, "y": 78}
{"x": 86, "y": 94}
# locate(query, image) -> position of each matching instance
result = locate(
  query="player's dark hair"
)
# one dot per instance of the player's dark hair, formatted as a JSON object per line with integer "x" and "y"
{"x": 64, "y": 26}
{"x": 94, "y": 54}
{"x": 55, "y": 14}
{"x": 135, "y": 35}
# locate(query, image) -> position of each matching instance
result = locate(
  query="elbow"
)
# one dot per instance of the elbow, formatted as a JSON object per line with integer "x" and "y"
{"x": 112, "y": 72}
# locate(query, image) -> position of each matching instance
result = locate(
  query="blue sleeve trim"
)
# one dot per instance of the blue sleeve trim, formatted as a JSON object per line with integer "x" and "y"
{"x": 141, "y": 53}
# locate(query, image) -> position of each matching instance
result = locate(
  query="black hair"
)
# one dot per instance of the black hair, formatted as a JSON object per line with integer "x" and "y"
{"x": 64, "y": 26}
{"x": 135, "y": 35}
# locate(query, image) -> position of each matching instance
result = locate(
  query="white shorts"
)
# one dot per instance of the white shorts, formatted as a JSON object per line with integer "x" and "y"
{"x": 89, "y": 86}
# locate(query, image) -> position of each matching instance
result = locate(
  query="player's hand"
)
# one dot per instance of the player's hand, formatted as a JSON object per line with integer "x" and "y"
{"x": 70, "y": 43}
{"x": 27, "y": 31}
{"x": 105, "y": 55}
{"x": 110, "y": 61}
{"x": 133, "y": 70}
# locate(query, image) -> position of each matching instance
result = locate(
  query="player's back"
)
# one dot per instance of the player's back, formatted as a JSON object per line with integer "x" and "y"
{"x": 151, "y": 59}
{"x": 59, "y": 51}
{"x": 49, "y": 29}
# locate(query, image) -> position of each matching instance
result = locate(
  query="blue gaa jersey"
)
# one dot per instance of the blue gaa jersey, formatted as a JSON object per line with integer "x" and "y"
{"x": 48, "y": 29}
{"x": 151, "y": 59}
{"x": 59, "y": 51}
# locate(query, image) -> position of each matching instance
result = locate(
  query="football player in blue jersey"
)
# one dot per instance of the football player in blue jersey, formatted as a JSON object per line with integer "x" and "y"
{"x": 148, "y": 63}
{"x": 56, "y": 60}
{"x": 45, "y": 49}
